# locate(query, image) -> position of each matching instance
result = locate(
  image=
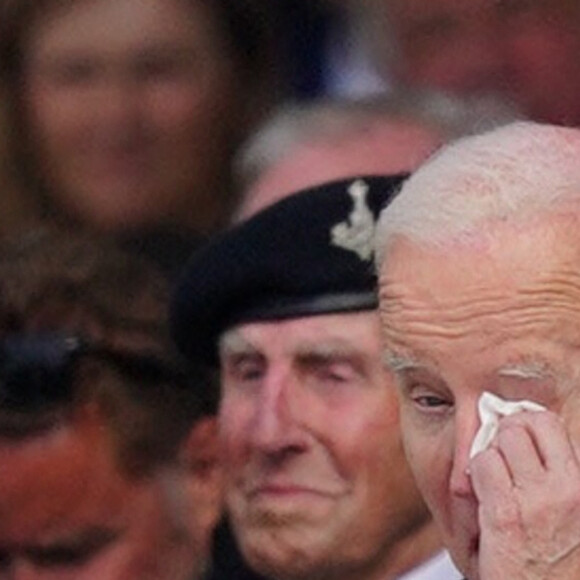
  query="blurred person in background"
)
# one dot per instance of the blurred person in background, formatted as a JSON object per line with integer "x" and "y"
{"x": 325, "y": 49}
{"x": 125, "y": 113}
{"x": 108, "y": 450}
{"x": 523, "y": 50}
{"x": 16, "y": 209}
{"x": 308, "y": 144}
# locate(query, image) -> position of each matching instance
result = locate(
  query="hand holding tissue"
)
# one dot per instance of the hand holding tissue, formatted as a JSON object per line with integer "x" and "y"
{"x": 491, "y": 408}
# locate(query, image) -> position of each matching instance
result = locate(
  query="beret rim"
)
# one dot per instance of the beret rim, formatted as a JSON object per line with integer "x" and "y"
{"x": 281, "y": 263}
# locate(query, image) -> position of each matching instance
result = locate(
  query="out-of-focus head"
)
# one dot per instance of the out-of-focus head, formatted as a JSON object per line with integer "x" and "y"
{"x": 317, "y": 484}
{"x": 479, "y": 290}
{"x": 128, "y": 111}
{"x": 304, "y": 146}
{"x": 16, "y": 209}
{"x": 523, "y": 50}
{"x": 107, "y": 447}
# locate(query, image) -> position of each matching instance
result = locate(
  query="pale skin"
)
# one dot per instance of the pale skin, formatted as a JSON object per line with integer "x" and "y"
{"x": 510, "y": 326}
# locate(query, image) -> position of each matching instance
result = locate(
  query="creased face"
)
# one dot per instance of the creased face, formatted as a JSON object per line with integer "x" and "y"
{"x": 316, "y": 476}
{"x": 500, "y": 316}
{"x": 67, "y": 512}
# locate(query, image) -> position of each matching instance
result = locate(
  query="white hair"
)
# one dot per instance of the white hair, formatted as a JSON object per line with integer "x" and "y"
{"x": 509, "y": 174}
{"x": 329, "y": 121}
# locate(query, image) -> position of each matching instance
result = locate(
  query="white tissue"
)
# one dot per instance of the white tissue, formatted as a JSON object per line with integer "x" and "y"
{"x": 491, "y": 408}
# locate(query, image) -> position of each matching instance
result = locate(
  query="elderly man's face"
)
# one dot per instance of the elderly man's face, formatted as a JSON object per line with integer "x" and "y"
{"x": 67, "y": 512}
{"x": 500, "y": 317}
{"x": 316, "y": 476}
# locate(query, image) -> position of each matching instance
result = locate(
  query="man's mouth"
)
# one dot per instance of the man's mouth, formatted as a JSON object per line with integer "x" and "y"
{"x": 283, "y": 490}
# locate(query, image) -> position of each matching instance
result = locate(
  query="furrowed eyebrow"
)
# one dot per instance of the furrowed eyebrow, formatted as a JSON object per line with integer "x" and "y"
{"x": 399, "y": 363}
{"x": 231, "y": 342}
{"x": 326, "y": 351}
{"x": 532, "y": 370}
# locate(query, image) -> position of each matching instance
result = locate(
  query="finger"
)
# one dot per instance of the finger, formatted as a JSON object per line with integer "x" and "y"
{"x": 516, "y": 444}
{"x": 550, "y": 438}
{"x": 493, "y": 488}
{"x": 489, "y": 473}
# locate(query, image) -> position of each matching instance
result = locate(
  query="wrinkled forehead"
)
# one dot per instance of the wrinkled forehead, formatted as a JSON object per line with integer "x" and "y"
{"x": 515, "y": 287}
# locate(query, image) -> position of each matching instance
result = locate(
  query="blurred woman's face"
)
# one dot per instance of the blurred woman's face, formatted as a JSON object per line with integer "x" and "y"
{"x": 129, "y": 105}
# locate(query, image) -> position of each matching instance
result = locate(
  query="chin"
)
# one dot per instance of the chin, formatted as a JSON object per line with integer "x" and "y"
{"x": 279, "y": 553}
{"x": 283, "y": 564}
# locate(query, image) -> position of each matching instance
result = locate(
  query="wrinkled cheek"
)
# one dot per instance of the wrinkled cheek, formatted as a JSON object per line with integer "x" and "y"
{"x": 570, "y": 414}
{"x": 414, "y": 446}
{"x": 426, "y": 468}
{"x": 421, "y": 473}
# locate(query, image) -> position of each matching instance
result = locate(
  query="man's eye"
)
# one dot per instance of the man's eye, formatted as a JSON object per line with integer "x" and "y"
{"x": 244, "y": 370}
{"x": 426, "y": 398}
{"x": 430, "y": 401}
{"x": 335, "y": 372}
{"x": 432, "y": 404}
{"x": 249, "y": 372}
{"x": 340, "y": 373}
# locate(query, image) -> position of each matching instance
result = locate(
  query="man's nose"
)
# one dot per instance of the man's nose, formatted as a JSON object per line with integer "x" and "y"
{"x": 278, "y": 428}
{"x": 466, "y": 426}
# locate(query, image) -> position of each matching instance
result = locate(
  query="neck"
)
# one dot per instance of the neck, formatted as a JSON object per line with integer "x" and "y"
{"x": 403, "y": 556}
{"x": 410, "y": 552}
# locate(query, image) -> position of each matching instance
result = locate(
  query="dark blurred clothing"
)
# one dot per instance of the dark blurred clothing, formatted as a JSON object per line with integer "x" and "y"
{"x": 227, "y": 560}
{"x": 304, "y": 34}
{"x": 168, "y": 249}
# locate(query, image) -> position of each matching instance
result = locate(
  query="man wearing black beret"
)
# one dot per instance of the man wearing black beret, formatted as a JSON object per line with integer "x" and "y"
{"x": 317, "y": 483}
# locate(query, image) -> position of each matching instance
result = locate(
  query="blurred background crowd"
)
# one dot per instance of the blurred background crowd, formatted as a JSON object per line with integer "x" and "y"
{"x": 132, "y": 117}
{"x": 158, "y": 123}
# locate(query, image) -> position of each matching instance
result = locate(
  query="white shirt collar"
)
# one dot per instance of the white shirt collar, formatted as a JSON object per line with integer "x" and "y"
{"x": 440, "y": 567}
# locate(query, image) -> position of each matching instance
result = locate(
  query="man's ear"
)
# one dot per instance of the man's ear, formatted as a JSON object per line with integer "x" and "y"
{"x": 200, "y": 459}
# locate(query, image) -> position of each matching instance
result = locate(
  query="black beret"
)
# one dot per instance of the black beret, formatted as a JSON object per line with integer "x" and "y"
{"x": 308, "y": 254}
